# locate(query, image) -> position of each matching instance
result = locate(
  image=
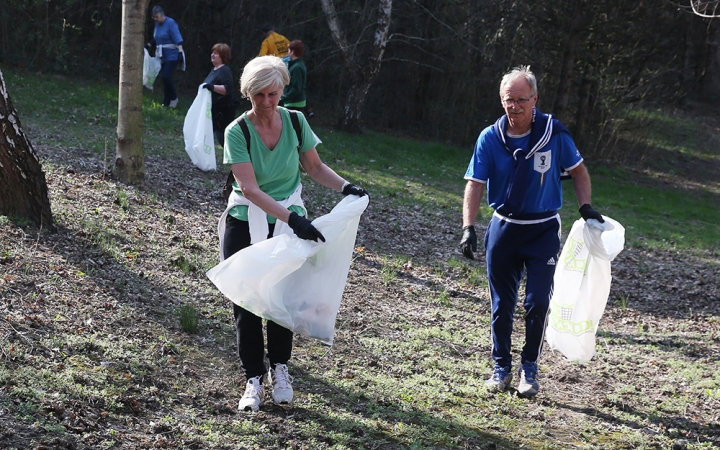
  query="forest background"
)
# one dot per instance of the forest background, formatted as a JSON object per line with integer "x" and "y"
{"x": 442, "y": 63}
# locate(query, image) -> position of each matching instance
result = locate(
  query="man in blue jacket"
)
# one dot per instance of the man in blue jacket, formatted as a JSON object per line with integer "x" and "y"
{"x": 169, "y": 42}
{"x": 521, "y": 159}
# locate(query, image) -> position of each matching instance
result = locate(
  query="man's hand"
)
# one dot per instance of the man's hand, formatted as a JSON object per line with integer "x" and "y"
{"x": 351, "y": 189}
{"x": 303, "y": 228}
{"x": 209, "y": 87}
{"x": 468, "y": 244}
{"x": 587, "y": 212}
{"x": 181, "y": 57}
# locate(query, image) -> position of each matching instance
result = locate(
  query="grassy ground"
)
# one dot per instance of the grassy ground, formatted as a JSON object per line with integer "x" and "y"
{"x": 96, "y": 352}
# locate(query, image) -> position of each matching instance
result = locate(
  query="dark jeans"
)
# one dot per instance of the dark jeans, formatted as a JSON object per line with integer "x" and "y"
{"x": 248, "y": 326}
{"x": 221, "y": 118}
{"x": 166, "y": 70}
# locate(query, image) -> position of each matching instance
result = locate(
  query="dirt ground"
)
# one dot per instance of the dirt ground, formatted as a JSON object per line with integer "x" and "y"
{"x": 665, "y": 300}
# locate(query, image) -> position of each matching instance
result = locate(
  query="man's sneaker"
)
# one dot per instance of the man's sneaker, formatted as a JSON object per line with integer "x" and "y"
{"x": 500, "y": 380}
{"x": 528, "y": 380}
{"x": 282, "y": 391}
{"x": 173, "y": 103}
{"x": 252, "y": 398}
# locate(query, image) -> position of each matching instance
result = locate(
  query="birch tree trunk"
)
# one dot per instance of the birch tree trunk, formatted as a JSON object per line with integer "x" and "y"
{"x": 23, "y": 189}
{"x": 130, "y": 153}
{"x": 361, "y": 77}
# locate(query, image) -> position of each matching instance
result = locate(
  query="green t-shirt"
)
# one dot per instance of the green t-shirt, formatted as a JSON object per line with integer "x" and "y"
{"x": 277, "y": 171}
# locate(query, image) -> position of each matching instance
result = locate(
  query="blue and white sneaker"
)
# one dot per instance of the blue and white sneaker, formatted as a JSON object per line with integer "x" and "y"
{"x": 528, "y": 380}
{"x": 500, "y": 379}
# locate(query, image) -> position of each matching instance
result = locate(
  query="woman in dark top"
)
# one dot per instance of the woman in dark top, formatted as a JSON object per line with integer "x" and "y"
{"x": 220, "y": 83}
{"x": 294, "y": 94}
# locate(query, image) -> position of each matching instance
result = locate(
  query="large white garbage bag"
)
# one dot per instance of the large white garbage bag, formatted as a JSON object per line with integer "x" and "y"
{"x": 151, "y": 68}
{"x": 581, "y": 287}
{"x": 198, "y": 132}
{"x": 294, "y": 282}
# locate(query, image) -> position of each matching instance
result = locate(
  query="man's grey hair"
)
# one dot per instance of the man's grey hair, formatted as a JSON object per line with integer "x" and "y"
{"x": 261, "y": 73}
{"x": 519, "y": 72}
{"x": 158, "y": 9}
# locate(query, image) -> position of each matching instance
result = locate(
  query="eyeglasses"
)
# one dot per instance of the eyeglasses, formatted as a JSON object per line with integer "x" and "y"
{"x": 520, "y": 101}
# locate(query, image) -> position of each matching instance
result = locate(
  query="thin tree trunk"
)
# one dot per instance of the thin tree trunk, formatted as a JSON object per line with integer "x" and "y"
{"x": 23, "y": 189}
{"x": 584, "y": 108}
{"x": 562, "y": 97}
{"x": 361, "y": 77}
{"x": 130, "y": 154}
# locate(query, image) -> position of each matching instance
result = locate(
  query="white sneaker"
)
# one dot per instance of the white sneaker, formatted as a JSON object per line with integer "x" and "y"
{"x": 252, "y": 398}
{"x": 173, "y": 103}
{"x": 281, "y": 382}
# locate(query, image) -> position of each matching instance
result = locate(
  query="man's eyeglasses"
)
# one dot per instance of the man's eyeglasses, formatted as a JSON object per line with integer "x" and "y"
{"x": 520, "y": 101}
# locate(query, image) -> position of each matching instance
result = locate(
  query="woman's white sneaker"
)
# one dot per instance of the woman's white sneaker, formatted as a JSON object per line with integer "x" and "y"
{"x": 282, "y": 391}
{"x": 252, "y": 398}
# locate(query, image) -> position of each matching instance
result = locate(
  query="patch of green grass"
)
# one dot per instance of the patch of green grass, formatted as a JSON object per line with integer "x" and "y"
{"x": 189, "y": 318}
{"x": 653, "y": 218}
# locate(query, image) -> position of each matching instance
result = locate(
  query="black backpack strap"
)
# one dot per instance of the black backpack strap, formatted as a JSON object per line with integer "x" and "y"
{"x": 245, "y": 130}
{"x": 296, "y": 126}
{"x": 228, "y": 188}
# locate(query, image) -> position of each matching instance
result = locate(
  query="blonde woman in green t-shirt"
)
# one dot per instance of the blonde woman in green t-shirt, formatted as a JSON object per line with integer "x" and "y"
{"x": 266, "y": 201}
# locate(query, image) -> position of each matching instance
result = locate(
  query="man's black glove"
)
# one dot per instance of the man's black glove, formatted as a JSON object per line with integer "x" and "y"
{"x": 209, "y": 87}
{"x": 587, "y": 212}
{"x": 351, "y": 189}
{"x": 303, "y": 228}
{"x": 150, "y": 44}
{"x": 468, "y": 244}
{"x": 181, "y": 57}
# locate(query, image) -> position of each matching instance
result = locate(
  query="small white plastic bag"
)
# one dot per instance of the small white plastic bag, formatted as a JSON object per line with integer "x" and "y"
{"x": 581, "y": 287}
{"x": 151, "y": 68}
{"x": 294, "y": 282}
{"x": 198, "y": 131}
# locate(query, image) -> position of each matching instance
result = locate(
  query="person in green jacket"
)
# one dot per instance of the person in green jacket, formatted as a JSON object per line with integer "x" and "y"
{"x": 294, "y": 94}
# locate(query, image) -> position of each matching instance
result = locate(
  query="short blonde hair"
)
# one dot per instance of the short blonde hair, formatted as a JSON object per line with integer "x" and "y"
{"x": 519, "y": 72}
{"x": 261, "y": 73}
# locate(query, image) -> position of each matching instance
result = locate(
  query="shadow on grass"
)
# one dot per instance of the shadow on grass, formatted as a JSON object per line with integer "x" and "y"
{"x": 379, "y": 422}
{"x": 673, "y": 425}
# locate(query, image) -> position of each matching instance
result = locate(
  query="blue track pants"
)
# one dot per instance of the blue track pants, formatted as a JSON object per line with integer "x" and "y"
{"x": 513, "y": 249}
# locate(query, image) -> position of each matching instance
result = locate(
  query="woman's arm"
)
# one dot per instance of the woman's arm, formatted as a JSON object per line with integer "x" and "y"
{"x": 318, "y": 171}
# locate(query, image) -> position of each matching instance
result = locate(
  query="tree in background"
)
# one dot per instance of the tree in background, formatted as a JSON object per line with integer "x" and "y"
{"x": 361, "y": 77}
{"x": 130, "y": 153}
{"x": 23, "y": 189}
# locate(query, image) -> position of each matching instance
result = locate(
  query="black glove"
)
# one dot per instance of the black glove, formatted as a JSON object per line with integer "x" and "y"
{"x": 209, "y": 87}
{"x": 351, "y": 189}
{"x": 181, "y": 57}
{"x": 303, "y": 228}
{"x": 587, "y": 212}
{"x": 468, "y": 244}
{"x": 150, "y": 44}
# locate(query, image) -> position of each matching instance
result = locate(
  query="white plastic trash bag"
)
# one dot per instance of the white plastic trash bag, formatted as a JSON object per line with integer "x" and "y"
{"x": 151, "y": 68}
{"x": 581, "y": 287}
{"x": 294, "y": 282}
{"x": 198, "y": 132}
